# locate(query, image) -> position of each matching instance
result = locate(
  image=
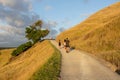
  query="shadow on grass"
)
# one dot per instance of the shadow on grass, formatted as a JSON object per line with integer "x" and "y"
{"x": 118, "y": 71}
{"x": 72, "y": 48}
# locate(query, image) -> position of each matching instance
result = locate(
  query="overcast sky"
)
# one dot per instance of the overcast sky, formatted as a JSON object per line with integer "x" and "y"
{"x": 58, "y": 15}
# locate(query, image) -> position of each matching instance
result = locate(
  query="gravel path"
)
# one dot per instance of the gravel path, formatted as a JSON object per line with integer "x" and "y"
{"x": 77, "y": 65}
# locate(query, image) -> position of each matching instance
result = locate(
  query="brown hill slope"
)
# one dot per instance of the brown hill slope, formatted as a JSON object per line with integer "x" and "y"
{"x": 99, "y": 34}
{"x": 23, "y": 67}
{"x": 5, "y": 55}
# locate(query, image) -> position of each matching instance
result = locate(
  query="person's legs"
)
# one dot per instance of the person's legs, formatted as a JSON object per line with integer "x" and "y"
{"x": 67, "y": 49}
{"x": 59, "y": 46}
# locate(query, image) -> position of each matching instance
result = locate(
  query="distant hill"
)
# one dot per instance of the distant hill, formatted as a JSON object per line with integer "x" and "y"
{"x": 27, "y": 63}
{"x": 99, "y": 34}
{"x": 7, "y": 47}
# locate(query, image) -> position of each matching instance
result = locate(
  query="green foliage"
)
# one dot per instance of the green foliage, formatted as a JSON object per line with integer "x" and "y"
{"x": 35, "y": 33}
{"x": 51, "y": 70}
{"x": 21, "y": 48}
{"x": 38, "y": 23}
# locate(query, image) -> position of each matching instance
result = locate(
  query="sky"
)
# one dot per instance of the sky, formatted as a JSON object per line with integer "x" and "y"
{"x": 57, "y": 16}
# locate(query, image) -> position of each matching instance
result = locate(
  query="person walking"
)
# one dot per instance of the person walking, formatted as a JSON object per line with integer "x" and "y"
{"x": 59, "y": 44}
{"x": 67, "y": 45}
{"x": 64, "y": 43}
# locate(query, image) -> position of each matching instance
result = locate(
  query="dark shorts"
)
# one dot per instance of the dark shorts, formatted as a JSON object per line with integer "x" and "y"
{"x": 59, "y": 44}
{"x": 67, "y": 46}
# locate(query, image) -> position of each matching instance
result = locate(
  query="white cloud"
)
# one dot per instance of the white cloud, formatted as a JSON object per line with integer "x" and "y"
{"x": 19, "y": 23}
{"x": 15, "y": 15}
{"x": 66, "y": 21}
{"x": 19, "y": 5}
{"x": 12, "y": 30}
{"x": 52, "y": 23}
{"x": 48, "y": 8}
{"x": 61, "y": 29}
{"x": 11, "y": 36}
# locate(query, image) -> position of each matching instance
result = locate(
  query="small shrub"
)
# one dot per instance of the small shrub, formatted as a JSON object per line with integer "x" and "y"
{"x": 22, "y": 48}
{"x": 14, "y": 53}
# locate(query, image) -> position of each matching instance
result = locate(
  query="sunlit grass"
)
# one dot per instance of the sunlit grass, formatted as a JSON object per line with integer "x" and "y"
{"x": 51, "y": 69}
{"x": 112, "y": 56}
{"x": 23, "y": 67}
{"x": 99, "y": 34}
{"x": 5, "y": 55}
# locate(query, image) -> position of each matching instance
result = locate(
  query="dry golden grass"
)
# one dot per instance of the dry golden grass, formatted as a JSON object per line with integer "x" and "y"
{"x": 23, "y": 67}
{"x": 100, "y": 33}
{"x": 5, "y": 55}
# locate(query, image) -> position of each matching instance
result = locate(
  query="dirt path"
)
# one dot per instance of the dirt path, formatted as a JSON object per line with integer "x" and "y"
{"x": 79, "y": 66}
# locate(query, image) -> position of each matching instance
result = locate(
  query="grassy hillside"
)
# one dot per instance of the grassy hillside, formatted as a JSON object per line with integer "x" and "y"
{"x": 51, "y": 69}
{"x": 5, "y": 55}
{"x": 99, "y": 34}
{"x": 23, "y": 67}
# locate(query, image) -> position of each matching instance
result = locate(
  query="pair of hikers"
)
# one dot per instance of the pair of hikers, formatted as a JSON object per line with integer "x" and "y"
{"x": 65, "y": 44}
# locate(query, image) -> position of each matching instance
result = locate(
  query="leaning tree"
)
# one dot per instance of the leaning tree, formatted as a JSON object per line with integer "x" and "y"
{"x": 35, "y": 32}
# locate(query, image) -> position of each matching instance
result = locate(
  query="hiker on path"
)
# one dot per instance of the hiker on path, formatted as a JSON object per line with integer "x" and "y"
{"x": 59, "y": 44}
{"x": 67, "y": 45}
{"x": 64, "y": 43}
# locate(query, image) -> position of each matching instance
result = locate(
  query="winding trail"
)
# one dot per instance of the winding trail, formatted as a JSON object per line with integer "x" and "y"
{"x": 77, "y": 65}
